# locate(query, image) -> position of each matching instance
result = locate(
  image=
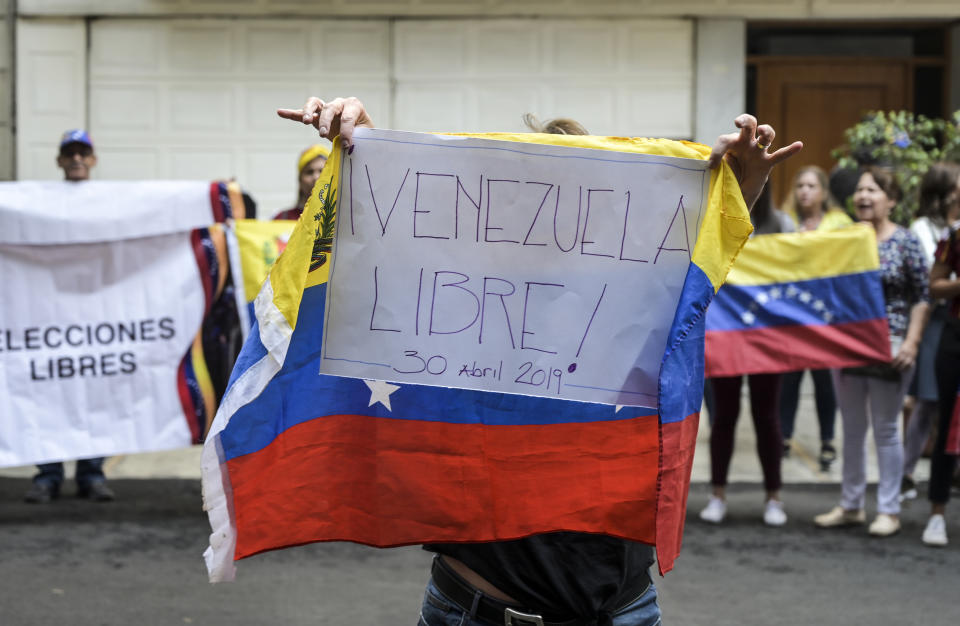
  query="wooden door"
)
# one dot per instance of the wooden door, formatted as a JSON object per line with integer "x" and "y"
{"x": 815, "y": 100}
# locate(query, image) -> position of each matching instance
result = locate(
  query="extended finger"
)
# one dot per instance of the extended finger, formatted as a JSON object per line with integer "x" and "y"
{"x": 291, "y": 114}
{"x": 785, "y": 153}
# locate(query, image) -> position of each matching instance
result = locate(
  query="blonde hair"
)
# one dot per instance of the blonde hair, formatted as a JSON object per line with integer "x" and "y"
{"x": 828, "y": 203}
{"x": 557, "y": 126}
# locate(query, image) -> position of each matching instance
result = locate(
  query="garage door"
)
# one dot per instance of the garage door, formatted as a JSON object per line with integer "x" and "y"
{"x": 195, "y": 99}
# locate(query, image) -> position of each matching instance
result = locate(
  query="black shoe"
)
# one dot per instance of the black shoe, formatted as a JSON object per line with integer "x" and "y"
{"x": 96, "y": 491}
{"x": 828, "y": 454}
{"x": 41, "y": 493}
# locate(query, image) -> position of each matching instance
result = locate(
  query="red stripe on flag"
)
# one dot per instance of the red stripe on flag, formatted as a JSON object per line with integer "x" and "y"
{"x": 390, "y": 482}
{"x": 215, "y": 204}
{"x": 778, "y": 349}
{"x": 186, "y": 400}
{"x": 679, "y": 444}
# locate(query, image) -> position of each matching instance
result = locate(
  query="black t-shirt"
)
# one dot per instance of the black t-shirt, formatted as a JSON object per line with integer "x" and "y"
{"x": 562, "y": 574}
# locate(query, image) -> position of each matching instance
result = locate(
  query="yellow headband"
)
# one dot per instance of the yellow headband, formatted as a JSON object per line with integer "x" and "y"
{"x": 310, "y": 154}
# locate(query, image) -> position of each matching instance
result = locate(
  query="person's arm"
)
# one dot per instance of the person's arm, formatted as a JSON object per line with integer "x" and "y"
{"x": 942, "y": 286}
{"x": 745, "y": 151}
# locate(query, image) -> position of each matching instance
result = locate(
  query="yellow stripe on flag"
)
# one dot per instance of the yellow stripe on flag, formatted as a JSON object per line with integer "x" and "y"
{"x": 787, "y": 257}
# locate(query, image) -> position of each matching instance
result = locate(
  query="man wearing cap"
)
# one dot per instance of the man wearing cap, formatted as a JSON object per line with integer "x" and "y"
{"x": 76, "y": 159}
{"x": 309, "y": 166}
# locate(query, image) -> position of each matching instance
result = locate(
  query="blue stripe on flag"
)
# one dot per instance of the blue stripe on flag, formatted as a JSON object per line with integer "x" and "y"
{"x": 298, "y": 393}
{"x": 681, "y": 372}
{"x": 834, "y": 300}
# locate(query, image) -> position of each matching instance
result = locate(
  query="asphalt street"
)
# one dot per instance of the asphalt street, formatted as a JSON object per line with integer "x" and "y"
{"x": 138, "y": 561}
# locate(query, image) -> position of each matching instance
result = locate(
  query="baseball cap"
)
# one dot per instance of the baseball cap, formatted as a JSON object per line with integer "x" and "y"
{"x": 77, "y": 135}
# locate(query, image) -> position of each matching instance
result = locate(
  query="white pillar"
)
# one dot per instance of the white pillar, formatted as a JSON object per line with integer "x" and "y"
{"x": 720, "y": 82}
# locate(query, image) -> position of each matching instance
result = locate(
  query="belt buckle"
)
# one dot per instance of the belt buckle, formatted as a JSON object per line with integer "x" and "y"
{"x": 516, "y": 618}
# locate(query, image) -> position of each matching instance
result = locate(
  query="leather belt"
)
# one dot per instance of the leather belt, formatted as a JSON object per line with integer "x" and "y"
{"x": 497, "y": 612}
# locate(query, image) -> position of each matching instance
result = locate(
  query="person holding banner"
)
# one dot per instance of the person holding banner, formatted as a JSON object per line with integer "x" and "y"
{"x": 76, "y": 158}
{"x": 945, "y": 284}
{"x": 309, "y": 165}
{"x": 560, "y": 577}
{"x": 873, "y": 395}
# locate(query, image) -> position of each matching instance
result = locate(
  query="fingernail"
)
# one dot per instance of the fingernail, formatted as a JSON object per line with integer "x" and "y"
{"x": 323, "y": 130}
{"x": 350, "y": 151}
{"x": 306, "y": 118}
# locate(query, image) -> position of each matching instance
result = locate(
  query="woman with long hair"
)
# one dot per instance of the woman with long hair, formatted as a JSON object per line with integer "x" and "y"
{"x": 813, "y": 208}
{"x": 872, "y": 396}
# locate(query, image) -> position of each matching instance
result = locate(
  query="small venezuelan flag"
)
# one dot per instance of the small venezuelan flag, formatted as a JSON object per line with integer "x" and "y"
{"x": 800, "y": 301}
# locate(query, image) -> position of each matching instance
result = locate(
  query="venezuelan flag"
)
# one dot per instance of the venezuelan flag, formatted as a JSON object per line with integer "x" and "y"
{"x": 294, "y": 457}
{"x": 254, "y": 246}
{"x": 800, "y": 300}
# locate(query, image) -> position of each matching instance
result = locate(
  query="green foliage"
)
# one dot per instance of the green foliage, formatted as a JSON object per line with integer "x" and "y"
{"x": 907, "y": 143}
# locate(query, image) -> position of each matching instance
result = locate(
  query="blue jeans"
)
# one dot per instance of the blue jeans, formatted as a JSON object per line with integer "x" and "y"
{"x": 88, "y": 471}
{"x": 438, "y": 610}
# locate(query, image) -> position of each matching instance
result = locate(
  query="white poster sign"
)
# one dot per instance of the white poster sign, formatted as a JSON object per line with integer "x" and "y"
{"x": 92, "y": 334}
{"x": 509, "y": 267}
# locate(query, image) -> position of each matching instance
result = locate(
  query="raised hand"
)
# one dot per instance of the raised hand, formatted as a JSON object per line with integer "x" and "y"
{"x": 337, "y": 117}
{"x": 746, "y": 153}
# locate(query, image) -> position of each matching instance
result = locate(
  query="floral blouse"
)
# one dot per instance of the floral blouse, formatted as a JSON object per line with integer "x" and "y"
{"x": 905, "y": 276}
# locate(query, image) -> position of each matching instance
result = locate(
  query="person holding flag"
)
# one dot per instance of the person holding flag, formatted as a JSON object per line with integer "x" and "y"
{"x": 561, "y": 577}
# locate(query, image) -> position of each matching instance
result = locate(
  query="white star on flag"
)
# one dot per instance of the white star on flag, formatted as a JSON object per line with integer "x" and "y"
{"x": 762, "y": 298}
{"x": 827, "y": 316}
{"x": 380, "y": 392}
{"x": 805, "y": 296}
{"x": 775, "y": 293}
{"x": 818, "y": 305}
{"x": 748, "y": 318}
{"x": 792, "y": 291}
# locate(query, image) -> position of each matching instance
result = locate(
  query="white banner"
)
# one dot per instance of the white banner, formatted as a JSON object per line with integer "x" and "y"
{"x": 92, "y": 334}
{"x": 508, "y": 267}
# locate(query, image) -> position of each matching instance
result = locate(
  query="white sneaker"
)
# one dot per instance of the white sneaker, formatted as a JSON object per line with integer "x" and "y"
{"x": 715, "y": 510}
{"x": 935, "y": 534}
{"x": 773, "y": 514}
